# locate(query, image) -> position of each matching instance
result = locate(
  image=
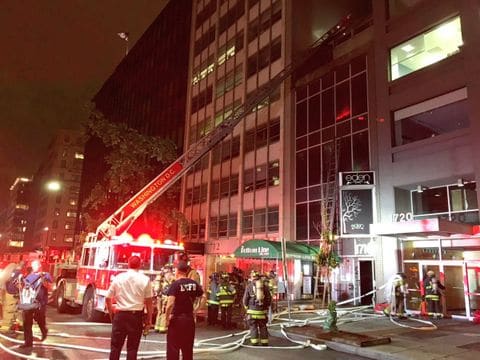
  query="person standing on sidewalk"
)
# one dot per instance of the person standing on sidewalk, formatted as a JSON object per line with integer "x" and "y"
{"x": 132, "y": 292}
{"x": 226, "y": 297}
{"x": 36, "y": 281}
{"x": 180, "y": 313}
{"x": 433, "y": 293}
{"x": 257, "y": 300}
{"x": 212, "y": 302}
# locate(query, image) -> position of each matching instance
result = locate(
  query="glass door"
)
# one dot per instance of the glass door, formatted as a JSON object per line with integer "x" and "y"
{"x": 473, "y": 286}
{"x": 454, "y": 299}
{"x": 414, "y": 298}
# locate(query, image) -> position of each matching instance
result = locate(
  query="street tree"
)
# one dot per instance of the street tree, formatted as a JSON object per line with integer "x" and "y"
{"x": 131, "y": 160}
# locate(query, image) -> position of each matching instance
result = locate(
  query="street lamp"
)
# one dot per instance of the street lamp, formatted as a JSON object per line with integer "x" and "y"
{"x": 53, "y": 186}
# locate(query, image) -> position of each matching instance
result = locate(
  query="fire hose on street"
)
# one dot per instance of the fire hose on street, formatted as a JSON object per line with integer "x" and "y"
{"x": 212, "y": 345}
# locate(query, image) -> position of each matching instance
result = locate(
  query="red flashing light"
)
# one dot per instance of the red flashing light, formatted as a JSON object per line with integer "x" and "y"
{"x": 361, "y": 118}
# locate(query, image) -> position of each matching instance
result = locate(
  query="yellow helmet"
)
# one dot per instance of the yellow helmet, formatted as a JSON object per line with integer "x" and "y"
{"x": 254, "y": 274}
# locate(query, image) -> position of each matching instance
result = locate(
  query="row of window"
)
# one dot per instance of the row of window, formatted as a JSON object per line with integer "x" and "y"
{"x": 254, "y": 179}
{"x": 253, "y": 221}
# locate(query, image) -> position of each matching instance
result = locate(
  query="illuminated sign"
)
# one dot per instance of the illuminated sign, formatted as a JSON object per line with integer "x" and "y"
{"x": 356, "y": 210}
{"x": 357, "y": 178}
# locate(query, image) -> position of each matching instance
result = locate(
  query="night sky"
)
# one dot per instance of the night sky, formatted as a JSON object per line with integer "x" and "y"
{"x": 54, "y": 56}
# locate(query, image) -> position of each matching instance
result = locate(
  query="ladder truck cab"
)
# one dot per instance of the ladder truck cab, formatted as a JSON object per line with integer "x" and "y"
{"x": 101, "y": 261}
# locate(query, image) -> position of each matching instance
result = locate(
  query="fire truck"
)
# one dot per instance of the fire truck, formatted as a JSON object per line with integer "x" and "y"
{"x": 106, "y": 251}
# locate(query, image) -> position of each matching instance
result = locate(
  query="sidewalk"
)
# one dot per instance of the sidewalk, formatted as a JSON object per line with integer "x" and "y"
{"x": 454, "y": 339}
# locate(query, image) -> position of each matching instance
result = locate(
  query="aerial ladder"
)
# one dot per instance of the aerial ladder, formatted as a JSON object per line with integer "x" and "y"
{"x": 121, "y": 220}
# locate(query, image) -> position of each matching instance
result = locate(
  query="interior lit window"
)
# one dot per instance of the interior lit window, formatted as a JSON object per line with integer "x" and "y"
{"x": 426, "y": 49}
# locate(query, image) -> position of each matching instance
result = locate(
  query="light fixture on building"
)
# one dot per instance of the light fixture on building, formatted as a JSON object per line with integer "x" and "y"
{"x": 460, "y": 182}
{"x": 420, "y": 188}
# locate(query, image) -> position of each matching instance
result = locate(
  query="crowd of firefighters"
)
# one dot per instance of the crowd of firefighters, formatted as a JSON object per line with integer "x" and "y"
{"x": 228, "y": 294}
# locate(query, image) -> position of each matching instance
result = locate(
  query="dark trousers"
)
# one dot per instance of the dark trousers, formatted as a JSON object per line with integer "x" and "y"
{"x": 434, "y": 307}
{"x": 226, "y": 316}
{"x": 258, "y": 331}
{"x": 180, "y": 337}
{"x": 127, "y": 325}
{"x": 212, "y": 314}
{"x": 28, "y": 316}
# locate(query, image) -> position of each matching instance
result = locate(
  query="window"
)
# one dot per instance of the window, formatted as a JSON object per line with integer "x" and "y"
{"x": 430, "y": 118}
{"x": 72, "y": 202}
{"x": 247, "y": 222}
{"x": 71, "y": 213}
{"x": 69, "y": 226}
{"x": 202, "y": 99}
{"x": 205, "y": 68}
{"x": 205, "y": 13}
{"x": 264, "y": 57}
{"x": 400, "y": 7}
{"x": 426, "y": 49}
{"x": 229, "y": 81}
{"x": 451, "y": 202}
{"x": 265, "y": 20}
{"x": 232, "y": 15}
{"x": 56, "y": 212}
{"x": 79, "y": 156}
{"x": 265, "y": 134}
{"x": 204, "y": 40}
{"x": 229, "y": 50}
{"x": 223, "y": 114}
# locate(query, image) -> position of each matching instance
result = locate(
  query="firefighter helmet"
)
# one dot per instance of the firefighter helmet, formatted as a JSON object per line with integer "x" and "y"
{"x": 254, "y": 274}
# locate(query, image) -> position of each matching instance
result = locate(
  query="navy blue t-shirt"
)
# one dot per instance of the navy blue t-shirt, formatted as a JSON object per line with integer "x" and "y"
{"x": 185, "y": 291}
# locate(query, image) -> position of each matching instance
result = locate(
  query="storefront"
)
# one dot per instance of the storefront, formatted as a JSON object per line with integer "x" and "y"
{"x": 451, "y": 250}
{"x": 266, "y": 255}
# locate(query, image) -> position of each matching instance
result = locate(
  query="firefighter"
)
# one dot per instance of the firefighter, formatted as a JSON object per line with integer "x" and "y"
{"x": 192, "y": 273}
{"x": 257, "y": 300}
{"x": 226, "y": 297}
{"x": 273, "y": 287}
{"x": 433, "y": 293}
{"x": 212, "y": 302}
{"x": 11, "y": 318}
{"x": 399, "y": 289}
{"x": 167, "y": 278}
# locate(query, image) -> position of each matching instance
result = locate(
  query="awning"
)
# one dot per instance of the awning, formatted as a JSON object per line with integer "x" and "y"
{"x": 423, "y": 228}
{"x": 271, "y": 250}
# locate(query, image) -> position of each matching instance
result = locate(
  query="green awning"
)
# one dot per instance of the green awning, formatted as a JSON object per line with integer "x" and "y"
{"x": 271, "y": 250}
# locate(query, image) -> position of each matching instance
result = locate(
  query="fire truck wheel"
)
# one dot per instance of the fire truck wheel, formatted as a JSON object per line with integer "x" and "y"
{"x": 62, "y": 306}
{"x": 88, "y": 310}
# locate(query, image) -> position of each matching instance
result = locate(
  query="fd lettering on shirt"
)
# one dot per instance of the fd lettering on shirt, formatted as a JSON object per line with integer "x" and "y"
{"x": 188, "y": 287}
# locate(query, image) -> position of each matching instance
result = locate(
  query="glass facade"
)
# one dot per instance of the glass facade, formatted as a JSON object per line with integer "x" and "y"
{"x": 452, "y": 202}
{"x": 426, "y": 49}
{"x": 331, "y": 116}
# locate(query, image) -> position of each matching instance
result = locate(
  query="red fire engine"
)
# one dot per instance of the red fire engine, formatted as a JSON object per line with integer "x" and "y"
{"x": 106, "y": 252}
{"x": 100, "y": 262}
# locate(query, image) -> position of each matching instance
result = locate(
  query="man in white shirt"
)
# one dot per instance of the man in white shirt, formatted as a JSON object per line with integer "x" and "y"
{"x": 132, "y": 291}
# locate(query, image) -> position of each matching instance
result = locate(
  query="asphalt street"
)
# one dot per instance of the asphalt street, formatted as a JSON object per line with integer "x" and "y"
{"x": 71, "y": 338}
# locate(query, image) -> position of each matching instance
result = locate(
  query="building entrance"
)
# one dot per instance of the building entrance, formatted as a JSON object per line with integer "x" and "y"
{"x": 451, "y": 275}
